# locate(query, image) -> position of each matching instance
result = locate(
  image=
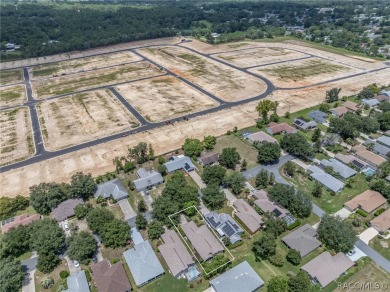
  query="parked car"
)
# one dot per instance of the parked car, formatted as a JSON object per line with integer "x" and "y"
{"x": 351, "y": 252}
{"x": 76, "y": 264}
{"x": 66, "y": 226}
{"x": 94, "y": 259}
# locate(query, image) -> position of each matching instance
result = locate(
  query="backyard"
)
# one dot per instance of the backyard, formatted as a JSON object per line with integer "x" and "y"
{"x": 382, "y": 246}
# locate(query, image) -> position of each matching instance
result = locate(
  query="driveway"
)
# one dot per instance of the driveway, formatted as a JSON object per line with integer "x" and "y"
{"x": 375, "y": 256}
{"x": 229, "y": 196}
{"x": 196, "y": 177}
{"x": 28, "y": 284}
{"x": 72, "y": 269}
{"x": 357, "y": 254}
{"x": 368, "y": 234}
{"x": 343, "y": 213}
{"x": 127, "y": 210}
{"x": 148, "y": 200}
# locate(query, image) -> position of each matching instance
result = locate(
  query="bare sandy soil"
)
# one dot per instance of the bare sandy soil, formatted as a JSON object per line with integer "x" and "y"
{"x": 83, "y": 117}
{"x": 10, "y": 76}
{"x": 86, "y": 53}
{"x": 226, "y": 83}
{"x": 16, "y": 141}
{"x": 348, "y": 60}
{"x": 80, "y": 65}
{"x": 91, "y": 79}
{"x": 303, "y": 72}
{"x": 12, "y": 95}
{"x": 163, "y": 98}
{"x": 258, "y": 56}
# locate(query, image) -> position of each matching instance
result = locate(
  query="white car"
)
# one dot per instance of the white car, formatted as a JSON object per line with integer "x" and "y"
{"x": 76, "y": 264}
{"x": 66, "y": 226}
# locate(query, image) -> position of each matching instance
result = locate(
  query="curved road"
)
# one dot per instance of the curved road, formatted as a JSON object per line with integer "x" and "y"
{"x": 42, "y": 154}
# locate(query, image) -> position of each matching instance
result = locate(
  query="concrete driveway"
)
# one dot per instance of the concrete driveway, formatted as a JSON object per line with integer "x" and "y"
{"x": 196, "y": 177}
{"x": 368, "y": 234}
{"x": 127, "y": 210}
{"x": 229, "y": 196}
{"x": 343, "y": 213}
{"x": 28, "y": 284}
{"x": 148, "y": 200}
{"x": 357, "y": 254}
{"x": 72, "y": 269}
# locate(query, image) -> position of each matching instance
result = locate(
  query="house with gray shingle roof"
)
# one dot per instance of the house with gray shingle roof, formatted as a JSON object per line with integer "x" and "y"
{"x": 343, "y": 170}
{"x": 304, "y": 125}
{"x": 241, "y": 278}
{"x": 77, "y": 283}
{"x": 225, "y": 226}
{"x": 384, "y": 140}
{"x": 318, "y": 116}
{"x": 179, "y": 162}
{"x": 147, "y": 179}
{"x": 208, "y": 159}
{"x": 370, "y": 102}
{"x": 326, "y": 179}
{"x": 65, "y": 210}
{"x": 143, "y": 263}
{"x": 112, "y": 188}
{"x": 304, "y": 240}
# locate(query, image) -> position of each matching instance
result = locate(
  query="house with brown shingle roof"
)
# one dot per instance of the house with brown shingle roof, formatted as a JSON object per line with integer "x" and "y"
{"x": 350, "y": 105}
{"x": 382, "y": 97}
{"x": 304, "y": 240}
{"x": 204, "y": 242}
{"x": 371, "y": 158}
{"x": 260, "y": 137}
{"x": 339, "y": 111}
{"x": 326, "y": 268}
{"x": 284, "y": 128}
{"x": 16, "y": 221}
{"x": 208, "y": 159}
{"x": 382, "y": 222}
{"x": 175, "y": 254}
{"x": 247, "y": 215}
{"x": 109, "y": 277}
{"x": 368, "y": 201}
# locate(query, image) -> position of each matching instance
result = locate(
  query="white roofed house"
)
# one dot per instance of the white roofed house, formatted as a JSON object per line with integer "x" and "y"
{"x": 326, "y": 179}
{"x": 225, "y": 226}
{"x": 147, "y": 179}
{"x": 112, "y": 188}
{"x": 180, "y": 162}
{"x": 341, "y": 169}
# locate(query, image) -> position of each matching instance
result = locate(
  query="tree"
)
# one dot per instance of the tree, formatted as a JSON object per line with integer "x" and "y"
{"x": 318, "y": 190}
{"x": 382, "y": 186}
{"x": 209, "y": 142}
{"x": 331, "y": 139}
{"x": 262, "y": 179}
{"x": 213, "y": 196}
{"x": 46, "y": 196}
{"x": 115, "y": 233}
{"x": 15, "y": 242}
{"x": 162, "y": 169}
{"x": 161, "y": 160}
{"x": 82, "y": 210}
{"x": 9, "y": 206}
{"x": 384, "y": 106}
{"x": 46, "y": 236}
{"x": 383, "y": 170}
{"x": 235, "y": 181}
{"x": 271, "y": 179}
{"x": 150, "y": 152}
{"x": 96, "y": 218}
{"x": 332, "y": 95}
{"x": 11, "y": 274}
{"x": 268, "y": 152}
{"x": 300, "y": 282}
{"x": 316, "y": 135}
{"x": 264, "y": 247}
{"x": 47, "y": 262}
{"x": 214, "y": 174}
{"x": 244, "y": 165}
{"x": 277, "y": 260}
{"x": 290, "y": 168}
{"x": 82, "y": 186}
{"x": 142, "y": 206}
{"x": 336, "y": 233}
{"x": 277, "y": 284}
{"x": 140, "y": 221}
{"x": 264, "y": 107}
{"x": 297, "y": 145}
{"x": 155, "y": 230}
{"x": 275, "y": 226}
{"x": 365, "y": 93}
{"x": 294, "y": 257}
{"x": 139, "y": 153}
{"x": 384, "y": 121}
{"x": 229, "y": 157}
{"x": 82, "y": 247}
{"x": 47, "y": 282}
{"x": 192, "y": 147}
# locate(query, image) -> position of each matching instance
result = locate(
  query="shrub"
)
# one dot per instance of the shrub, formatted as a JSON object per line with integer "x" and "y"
{"x": 64, "y": 274}
{"x": 237, "y": 244}
{"x": 362, "y": 213}
{"x": 88, "y": 276}
{"x": 47, "y": 282}
{"x": 114, "y": 261}
{"x": 380, "y": 211}
{"x": 294, "y": 225}
{"x": 277, "y": 260}
{"x": 294, "y": 257}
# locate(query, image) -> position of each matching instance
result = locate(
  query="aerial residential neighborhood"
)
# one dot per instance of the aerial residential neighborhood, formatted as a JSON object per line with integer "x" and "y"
{"x": 206, "y": 146}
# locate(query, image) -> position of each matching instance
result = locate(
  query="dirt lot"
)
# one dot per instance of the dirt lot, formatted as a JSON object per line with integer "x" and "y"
{"x": 79, "y": 65}
{"x": 165, "y": 97}
{"x": 82, "y": 117}
{"x": 11, "y": 76}
{"x": 12, "y": 95}
{"x": 220, "y": 80}
{"x": 16, "y": 141}
{"x": 87, "y": 80}
{"x": 258, "y": 56}
{"x": 303, "y": 72}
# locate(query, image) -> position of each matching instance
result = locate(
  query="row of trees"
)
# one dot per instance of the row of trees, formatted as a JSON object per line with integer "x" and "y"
{"x": 138, "y": 154}
{"x": 9, "y": 206}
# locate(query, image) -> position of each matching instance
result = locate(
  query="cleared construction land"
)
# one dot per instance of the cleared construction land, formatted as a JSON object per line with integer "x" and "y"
{"x": 82, "y": 64}
{"x": 100, "y": 77}
{"x": 303, "y": 72}
{"x": 164, "y": 97}
{"x": 223, "y": 81}
{"x": 12, "y": 95}
{"x": 16, "y": 141}
{"x": 11, "y": 76}
{"x": 258, "y": 56}
{"x": 82, "y": 117}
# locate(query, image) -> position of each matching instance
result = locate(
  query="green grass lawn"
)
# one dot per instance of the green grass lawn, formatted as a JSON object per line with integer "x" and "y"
{"x": 327, "y": 202}
{"x": 29, "y": 210}
{"x": 25, "y": 256}
{"x": 55, "y": 275}
{"x": 244, "y": 148}
{"x": 375, "y": 243}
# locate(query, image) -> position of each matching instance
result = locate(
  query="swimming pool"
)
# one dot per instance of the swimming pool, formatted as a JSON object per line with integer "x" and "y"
{"x": 369, "y": 172}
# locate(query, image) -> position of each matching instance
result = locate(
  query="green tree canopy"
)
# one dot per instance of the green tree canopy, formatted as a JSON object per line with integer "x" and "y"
{"x": 46, "y": 196}
{"x": 384, "y": 121}
{"x": 214, "y": 174}
{"x": 192, "y": 147}
{"x": 140, "y": 221}
{"x": 294, "y": 257}
{"x": 297, "y": 145}
{"x": 277, "y": 284}
{"x": 47, "y": 262}
{"x": 213, "y": 196}
{"x": 142, "y": 206}
{"x": 15, "y": 242}
{"x": 155, "y": 230}
{"x": 209, "y": 142}
{"x": 82, "y": 186}
{"x": 82, "y": 247}
{"x": 11, "y": 274}
{"x": 300, "y": 282}
{"x": 264, "y": 247}
{"x": 46, "y": 236}
{"x": 275, "y": 226}
{"x": 336, "y": 233}
{"x": 229, "y": 157}
{"x": 262, "y": 179}
{"x": 268, "y": 152}
{"x": 332, "y": 95}
{"x": 115, "y": 233}
{"x": 97, "y": 217}
{"x": 235, "y": 181}
{"x": 9, "y": 206}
